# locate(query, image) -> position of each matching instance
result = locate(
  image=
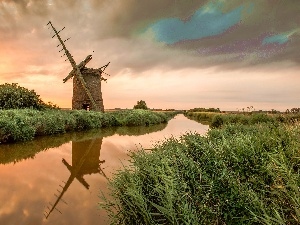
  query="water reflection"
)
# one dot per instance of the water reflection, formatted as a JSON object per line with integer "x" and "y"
{"x": 202, "y": 121}
{"x": 85, "y": 160}
{"x": 13, "y": 153}
{"x": 57, "y": 180}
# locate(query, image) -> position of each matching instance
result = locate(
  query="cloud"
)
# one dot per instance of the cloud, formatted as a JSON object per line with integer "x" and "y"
{"x": 198, "y": 34}
{"x": 278, "y": 39}
{"x": 206, "y": 21}
{"x": 251, "y": 36}
{"x": 258, "y": 25}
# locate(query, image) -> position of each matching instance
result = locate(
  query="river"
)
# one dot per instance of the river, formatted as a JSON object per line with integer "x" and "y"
{"x": 57, "y": 179}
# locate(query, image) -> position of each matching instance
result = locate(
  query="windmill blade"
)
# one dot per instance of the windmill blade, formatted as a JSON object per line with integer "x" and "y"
{"x": 71, "y": 74}
{"x": 106, "y": 74}
{"x": 74, "y": 65}
{"x": 104, "y": 67}
{"x": 72, "y": 61}
{"x": 101, "y": 70}
{"x": 80, "y": 66}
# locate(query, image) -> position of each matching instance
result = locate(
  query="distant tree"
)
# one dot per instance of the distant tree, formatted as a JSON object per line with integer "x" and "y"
{"x": 13, "y": 96}
{"x": 140, "y": 105}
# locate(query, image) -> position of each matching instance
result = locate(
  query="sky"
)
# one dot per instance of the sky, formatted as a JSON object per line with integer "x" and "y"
{"x": 181, "y": 54}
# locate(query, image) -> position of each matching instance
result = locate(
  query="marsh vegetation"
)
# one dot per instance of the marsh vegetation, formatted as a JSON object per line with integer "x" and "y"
{"x": 32, "y": 173}
{"x": 218, "y": 119}
{"x": 245, "y": 172}
{"x": 25, "y": 124}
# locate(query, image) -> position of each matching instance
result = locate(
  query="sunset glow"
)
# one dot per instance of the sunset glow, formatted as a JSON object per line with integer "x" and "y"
{"x": 172, "y": 54}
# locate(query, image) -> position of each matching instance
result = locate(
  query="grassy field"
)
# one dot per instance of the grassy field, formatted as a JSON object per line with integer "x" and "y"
{"x": 238, "y": 174}
{"x": 25, "y": 124}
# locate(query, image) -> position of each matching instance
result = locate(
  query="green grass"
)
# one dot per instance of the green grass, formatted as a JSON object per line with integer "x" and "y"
{"x": 249, "y": 119}
{"x": 25, "y": 124}
{"x": 202, "y": 116}
{"x": 239, "y": 174}
{"x": 217, "y": 120}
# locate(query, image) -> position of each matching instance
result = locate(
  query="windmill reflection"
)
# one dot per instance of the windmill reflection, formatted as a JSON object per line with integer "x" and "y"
{"x": 85, "y": 160}
{"x": 86, "y": 157}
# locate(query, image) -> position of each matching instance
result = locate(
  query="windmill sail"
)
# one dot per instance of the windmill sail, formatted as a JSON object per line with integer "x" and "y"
{"x": 76, "y": 68}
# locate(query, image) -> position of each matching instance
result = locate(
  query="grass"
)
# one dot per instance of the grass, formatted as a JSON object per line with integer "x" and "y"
{"x": 217, "y": 120}
{"x": 25, "y": 124}
{"x": 202, "y": 116}
{"x": 239, "y": 174}
{"x": 249, "y": 119}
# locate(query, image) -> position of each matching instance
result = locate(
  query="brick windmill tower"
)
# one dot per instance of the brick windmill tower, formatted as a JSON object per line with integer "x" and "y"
{"x": 86, "y": 81}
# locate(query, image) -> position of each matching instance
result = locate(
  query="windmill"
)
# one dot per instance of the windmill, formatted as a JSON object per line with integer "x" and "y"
{"x": 86, "y": 81}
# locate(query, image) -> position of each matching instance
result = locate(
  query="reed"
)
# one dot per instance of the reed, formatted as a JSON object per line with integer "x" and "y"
{"x": 239, "y": 174}
{"x": 217, "y": 120}
{"x": 25, "y": 124}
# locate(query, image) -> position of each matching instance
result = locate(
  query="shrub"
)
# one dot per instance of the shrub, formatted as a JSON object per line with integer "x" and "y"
{"x": 16, "y": 128}
{"x": 13, "y": 96}
{"x": 217, "y": 121}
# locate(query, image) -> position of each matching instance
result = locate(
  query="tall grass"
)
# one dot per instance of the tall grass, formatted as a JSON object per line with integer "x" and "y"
{"x": 25, "y": 124}
{"x": 248, "y": 119}
{"x": 217, "y": 120}
{"x": 202, "y": 116}
{"x": 235, "y": 175}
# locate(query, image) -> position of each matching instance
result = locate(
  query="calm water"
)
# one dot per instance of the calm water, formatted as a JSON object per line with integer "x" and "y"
{"x": 57, "y": 180}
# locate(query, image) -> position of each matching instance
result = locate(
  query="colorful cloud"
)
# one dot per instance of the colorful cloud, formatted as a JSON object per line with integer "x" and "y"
{"x": 252, "y": 43}
{"x": 207, "y": 21}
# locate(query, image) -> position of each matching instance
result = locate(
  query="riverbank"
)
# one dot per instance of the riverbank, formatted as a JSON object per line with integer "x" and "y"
{"x": 25, "y": 124}
{"x": 39, "y": 167}
{"x": 216, "y": 120}
{"x": 238, "y": 174}
{"x": 15, "y": 152}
